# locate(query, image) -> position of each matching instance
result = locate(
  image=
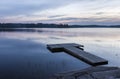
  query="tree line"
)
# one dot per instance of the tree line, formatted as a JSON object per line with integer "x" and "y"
{"x": 32, "y": 25}
{"x": 41, "y": 25}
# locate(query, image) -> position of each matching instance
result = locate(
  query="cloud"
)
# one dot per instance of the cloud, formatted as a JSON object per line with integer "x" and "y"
{"x": 83, "y": 21}
{"x": 20, "y": 7}
{"x": 60, "y": 11}
{"x": 99, "y": 13}
{"x": 56, "y": 16}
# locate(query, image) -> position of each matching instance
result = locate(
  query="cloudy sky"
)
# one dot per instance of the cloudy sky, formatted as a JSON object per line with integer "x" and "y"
{"x": 101, "y": 12}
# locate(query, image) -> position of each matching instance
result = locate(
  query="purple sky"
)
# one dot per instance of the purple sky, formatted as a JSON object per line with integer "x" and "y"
{"x": 101, "y": 12}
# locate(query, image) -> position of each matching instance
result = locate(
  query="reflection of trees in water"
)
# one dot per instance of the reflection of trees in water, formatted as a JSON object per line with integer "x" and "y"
{"x": 19, "y": 30}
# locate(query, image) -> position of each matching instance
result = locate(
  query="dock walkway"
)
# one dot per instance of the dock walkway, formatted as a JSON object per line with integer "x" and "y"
{"x": 77, "y": 51}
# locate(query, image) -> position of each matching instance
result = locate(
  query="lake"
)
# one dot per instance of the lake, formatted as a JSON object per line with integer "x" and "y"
{"x": 23, "y": 54}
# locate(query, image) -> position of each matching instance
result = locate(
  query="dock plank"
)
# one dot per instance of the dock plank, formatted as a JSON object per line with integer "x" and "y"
{"x": 87, "y": 70}
{"x": 99, "y": 72}
{"x": 85, "y": 56}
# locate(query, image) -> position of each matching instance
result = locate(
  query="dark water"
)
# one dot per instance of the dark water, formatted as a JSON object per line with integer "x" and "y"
{"x": 24, "y": 59}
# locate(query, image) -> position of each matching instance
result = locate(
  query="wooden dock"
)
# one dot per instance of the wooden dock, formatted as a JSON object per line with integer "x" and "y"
{"x": 77, "y": 51}
{"x": 95, "y": 72}
{"x": 100, "y": 72}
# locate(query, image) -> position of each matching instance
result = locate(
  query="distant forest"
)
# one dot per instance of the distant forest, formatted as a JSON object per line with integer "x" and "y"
{"x": 41, "y": 25}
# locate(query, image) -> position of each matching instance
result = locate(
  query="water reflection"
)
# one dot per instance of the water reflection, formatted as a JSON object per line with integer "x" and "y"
{"x": 100, "y": 33}
{"x": 23, "y": 59}
{"x": 24, "y": 54}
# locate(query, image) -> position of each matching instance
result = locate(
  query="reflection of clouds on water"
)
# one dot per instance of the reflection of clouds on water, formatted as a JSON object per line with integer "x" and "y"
{"x": 82, "y": 33}
{"x": 26, "y": 51}
{"x": 104, "y": 42}
{"x": 55, "y": 38}
{"x": 77, "y": 35}
{"x": 30, "y": 60}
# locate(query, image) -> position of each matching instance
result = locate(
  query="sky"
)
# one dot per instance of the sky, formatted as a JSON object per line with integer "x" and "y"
{"x": 80, "y": 12}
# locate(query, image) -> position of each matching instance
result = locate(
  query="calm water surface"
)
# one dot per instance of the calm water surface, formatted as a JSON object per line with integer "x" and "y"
{"x": 23, "y": 55}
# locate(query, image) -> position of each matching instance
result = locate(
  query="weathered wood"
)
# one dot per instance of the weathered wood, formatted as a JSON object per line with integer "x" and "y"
{"x": 87, "y": 70}
{"x": 76, "y": 51}
{"x": 85, "y": 56}
{"x": 111, "y": 74}
{"x": 92, "y": 73}
{"x": 60, "y": 47}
